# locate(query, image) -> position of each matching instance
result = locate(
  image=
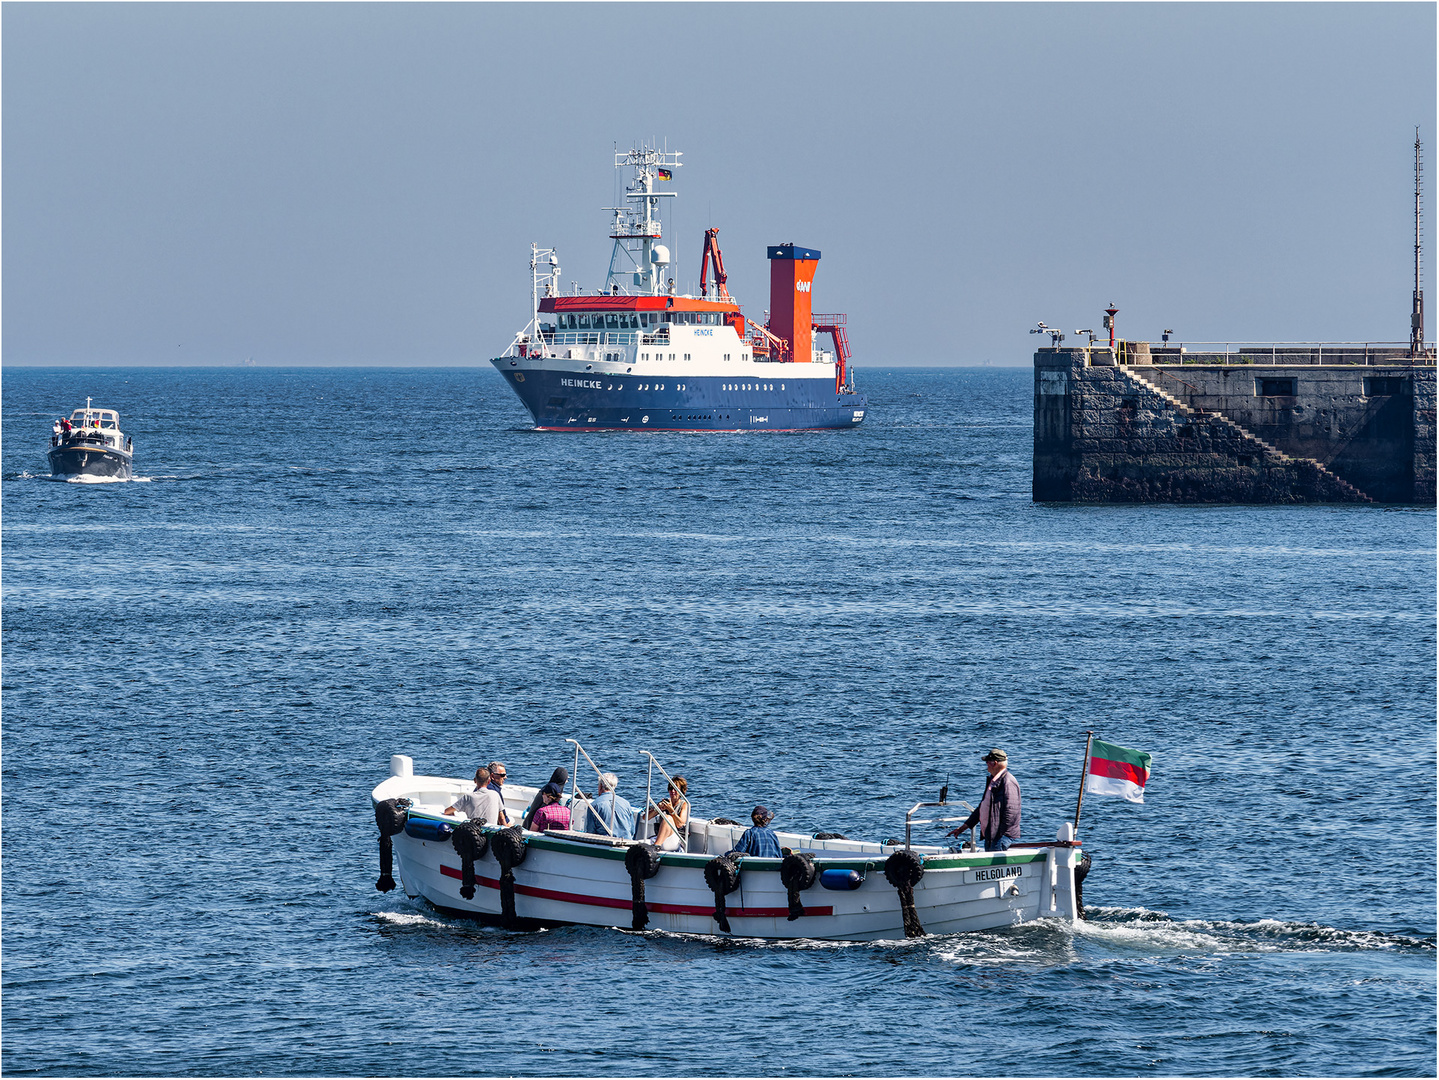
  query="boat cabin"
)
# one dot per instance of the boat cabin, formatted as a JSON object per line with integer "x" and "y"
{"x": 105, "y": 419}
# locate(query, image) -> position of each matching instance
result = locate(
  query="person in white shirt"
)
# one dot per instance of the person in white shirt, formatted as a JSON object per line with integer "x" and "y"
{"x": 482, "y": 804}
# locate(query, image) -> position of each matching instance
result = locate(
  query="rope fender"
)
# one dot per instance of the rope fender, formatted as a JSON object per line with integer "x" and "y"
{"x": 390, "y": 816}
{"x": 903, "y": 870}
{"x": 1080, "y": 873}
{"x": 797, "y": 873}
{"x": 722, "y": 876}
{"x": 508, "y": 847}
{"x": 470, "y": 844}
{"x": 642, "y": 861}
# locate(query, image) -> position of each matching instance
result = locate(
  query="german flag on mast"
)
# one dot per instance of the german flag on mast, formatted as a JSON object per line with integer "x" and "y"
{"x": 666, "y": 174}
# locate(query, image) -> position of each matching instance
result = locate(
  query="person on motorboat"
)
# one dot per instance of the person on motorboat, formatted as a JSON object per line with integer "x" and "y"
{"x": 551, "y": 814}
{"x": 997, "y": 814}
{"x": 610, "y": 814}
{"x": 497, "y": 785}
{"x": 675, "y": 807}
{"x": 482, "y": 804}
{"x": 759, "y": 840}
{"x": 560, "y": 777}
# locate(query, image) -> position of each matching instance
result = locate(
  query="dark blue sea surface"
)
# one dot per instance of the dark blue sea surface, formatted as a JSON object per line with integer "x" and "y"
{"x": 207, "y": 669}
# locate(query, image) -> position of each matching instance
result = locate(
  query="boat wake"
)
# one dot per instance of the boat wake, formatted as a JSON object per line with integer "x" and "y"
{"x": 1139, "y": 930}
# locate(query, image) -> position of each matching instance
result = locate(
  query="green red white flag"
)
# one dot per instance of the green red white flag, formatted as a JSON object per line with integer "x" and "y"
{"x": 1113, "y": 770}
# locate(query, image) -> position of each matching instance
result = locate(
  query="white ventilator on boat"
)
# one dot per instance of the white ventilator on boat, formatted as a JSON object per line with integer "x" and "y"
{"x": 826, "y": 886}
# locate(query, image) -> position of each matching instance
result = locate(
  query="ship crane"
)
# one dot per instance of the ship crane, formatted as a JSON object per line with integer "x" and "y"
{"x": 712, "y": 254}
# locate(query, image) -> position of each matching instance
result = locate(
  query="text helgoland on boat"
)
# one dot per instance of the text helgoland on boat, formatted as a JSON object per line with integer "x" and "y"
{"x": 825, "y": 886}
{"x": 638, "y": 356}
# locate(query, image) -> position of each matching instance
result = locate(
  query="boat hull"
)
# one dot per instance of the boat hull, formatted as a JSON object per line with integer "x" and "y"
{"x": 90, "y": 460}
{"x": 561, "y": 399}
{"x": 568, "y": 879}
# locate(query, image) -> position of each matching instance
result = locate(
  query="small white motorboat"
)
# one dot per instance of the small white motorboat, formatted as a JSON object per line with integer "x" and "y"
{"x": 825, "y": 886}
{"x": 90, "y": 443}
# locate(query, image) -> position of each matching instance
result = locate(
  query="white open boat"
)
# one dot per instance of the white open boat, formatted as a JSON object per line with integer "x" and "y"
{"x": 826, "y": 887}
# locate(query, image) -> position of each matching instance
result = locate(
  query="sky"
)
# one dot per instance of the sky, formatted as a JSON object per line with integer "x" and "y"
{"x": 338, "y": 184}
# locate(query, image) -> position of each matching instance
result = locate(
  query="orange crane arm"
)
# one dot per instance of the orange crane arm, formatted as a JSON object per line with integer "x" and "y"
{"x": 710, "y": 254}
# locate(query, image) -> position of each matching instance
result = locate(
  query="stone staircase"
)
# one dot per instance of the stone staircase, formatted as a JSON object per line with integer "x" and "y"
{"x": 1270, "y": 453}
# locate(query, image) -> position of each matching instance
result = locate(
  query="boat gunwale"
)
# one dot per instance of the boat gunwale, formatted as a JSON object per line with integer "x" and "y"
{"x": 614, "y": 850}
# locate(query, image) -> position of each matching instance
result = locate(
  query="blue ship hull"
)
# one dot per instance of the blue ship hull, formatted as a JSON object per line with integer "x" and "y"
{"x": 597, "y": 401}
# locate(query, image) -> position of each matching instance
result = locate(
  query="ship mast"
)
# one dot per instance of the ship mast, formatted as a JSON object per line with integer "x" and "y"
{"x": 1416, "y": 318}
{"x": 638, "y": 263}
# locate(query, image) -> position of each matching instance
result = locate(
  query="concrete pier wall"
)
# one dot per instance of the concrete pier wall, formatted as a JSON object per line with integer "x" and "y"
{"x": 1255, "y": 433}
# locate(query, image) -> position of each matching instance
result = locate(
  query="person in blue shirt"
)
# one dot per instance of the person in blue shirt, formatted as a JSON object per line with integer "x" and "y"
{"x": 609, "y": 814}
{"x": 759, "y": 840}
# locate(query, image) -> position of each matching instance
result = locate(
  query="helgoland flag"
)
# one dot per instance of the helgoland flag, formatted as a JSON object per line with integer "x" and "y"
{"x": 1113, "y": 770}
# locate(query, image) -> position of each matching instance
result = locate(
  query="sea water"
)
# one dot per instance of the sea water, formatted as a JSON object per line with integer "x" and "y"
{"x": 206, "y": 673}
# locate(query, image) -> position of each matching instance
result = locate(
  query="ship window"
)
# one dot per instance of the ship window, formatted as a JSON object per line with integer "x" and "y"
{"x": 687, "y": 356}
{"x": 612, "y": 322}
{"x": 584, "y": 323}
{"x": 744, "y": 356}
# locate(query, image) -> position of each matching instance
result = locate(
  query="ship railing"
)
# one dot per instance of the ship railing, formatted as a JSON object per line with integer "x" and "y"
{"x": 1272, "y": 353}
{"x": 596, "y": 337}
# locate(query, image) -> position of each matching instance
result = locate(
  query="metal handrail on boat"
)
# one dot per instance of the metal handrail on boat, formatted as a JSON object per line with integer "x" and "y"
{"x": 649, "y": 802}
{"x": 909, "y": 818}
{"x": 575, "y": 788}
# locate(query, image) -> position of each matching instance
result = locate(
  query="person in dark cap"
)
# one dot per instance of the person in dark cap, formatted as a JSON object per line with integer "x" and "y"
{"x": 560, "y": 777}
{"x": 551, "y": 815}
{"x": 760, "y": 839}
{"x": 997, "y": 814}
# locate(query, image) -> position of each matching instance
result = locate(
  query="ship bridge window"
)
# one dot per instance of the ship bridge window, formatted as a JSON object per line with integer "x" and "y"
{"x": 612, "y": 322}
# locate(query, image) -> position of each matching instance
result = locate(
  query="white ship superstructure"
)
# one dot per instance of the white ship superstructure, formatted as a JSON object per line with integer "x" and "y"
{"x": 638, "y": 355}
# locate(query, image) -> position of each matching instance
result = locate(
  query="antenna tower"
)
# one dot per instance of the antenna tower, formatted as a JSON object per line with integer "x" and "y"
{"x": 1416, "y": 319}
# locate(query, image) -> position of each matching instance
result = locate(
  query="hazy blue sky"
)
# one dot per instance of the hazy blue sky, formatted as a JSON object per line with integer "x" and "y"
{"x": 360, "y": 184}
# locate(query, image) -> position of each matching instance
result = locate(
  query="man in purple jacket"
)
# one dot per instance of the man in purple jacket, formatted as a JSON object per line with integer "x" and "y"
{"x": 997, "y": 814}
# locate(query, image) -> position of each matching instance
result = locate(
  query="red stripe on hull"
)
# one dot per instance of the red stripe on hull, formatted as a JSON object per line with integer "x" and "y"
{"x": 613, "y": 902}
{"x": 1118, "y": 770}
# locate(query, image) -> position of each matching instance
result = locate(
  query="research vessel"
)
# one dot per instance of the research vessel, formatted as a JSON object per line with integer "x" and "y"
{"x": 638, "y": 355}
{"x": 90, "y": 443}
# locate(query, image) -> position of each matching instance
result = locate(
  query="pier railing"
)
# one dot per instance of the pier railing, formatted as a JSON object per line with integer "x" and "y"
{"x": 1272, "y": 353}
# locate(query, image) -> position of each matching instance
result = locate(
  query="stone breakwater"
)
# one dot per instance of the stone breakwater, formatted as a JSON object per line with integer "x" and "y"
{"x": 1231, "y": 433}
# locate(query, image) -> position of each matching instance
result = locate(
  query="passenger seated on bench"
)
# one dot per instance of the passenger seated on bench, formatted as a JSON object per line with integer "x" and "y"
{"x": 482, "y": 804}
{"x": 759, "y": 840}
{"x": 678, "y": 808}
{"x": 560, "y": 777}
{"x": 608, "y": 807}
{"x": 551, "y": 815}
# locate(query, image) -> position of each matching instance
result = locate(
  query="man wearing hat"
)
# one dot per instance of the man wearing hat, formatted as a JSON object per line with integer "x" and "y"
{"x": 759, "y": 840}
{"x": 998, "y": 812}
